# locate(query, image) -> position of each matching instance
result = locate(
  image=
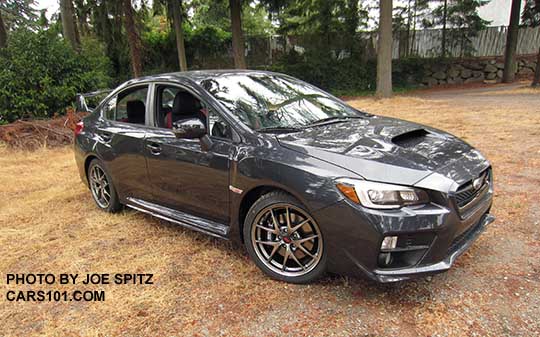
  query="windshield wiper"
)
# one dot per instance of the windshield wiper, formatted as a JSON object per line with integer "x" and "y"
{"x": 332, "y": 120}
{"x": 279, "y": 129}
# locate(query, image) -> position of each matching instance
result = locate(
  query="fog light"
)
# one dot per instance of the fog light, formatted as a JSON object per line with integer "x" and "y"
{"x": 389, "y": 242}
{"x": 385, "y": 259}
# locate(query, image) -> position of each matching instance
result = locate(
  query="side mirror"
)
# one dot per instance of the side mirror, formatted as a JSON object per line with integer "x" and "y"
{"x": 191, "y": 128}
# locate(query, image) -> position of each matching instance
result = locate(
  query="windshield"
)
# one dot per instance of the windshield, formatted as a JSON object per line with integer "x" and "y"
{"x": 265, "y": 101}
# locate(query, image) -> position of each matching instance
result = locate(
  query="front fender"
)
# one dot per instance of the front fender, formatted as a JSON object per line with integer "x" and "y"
{"x": 308, "y": 179}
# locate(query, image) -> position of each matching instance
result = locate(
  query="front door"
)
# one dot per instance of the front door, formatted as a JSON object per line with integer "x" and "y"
{"x": 185, "y": 176}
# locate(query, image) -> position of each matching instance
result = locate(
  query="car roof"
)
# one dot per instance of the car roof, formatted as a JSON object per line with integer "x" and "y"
{"x": 200, "y": 75}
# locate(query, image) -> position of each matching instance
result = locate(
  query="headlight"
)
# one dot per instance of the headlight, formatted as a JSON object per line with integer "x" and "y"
{"x": 378, "y": 195}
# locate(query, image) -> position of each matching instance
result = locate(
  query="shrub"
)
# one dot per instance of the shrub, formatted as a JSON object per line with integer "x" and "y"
{"x": 325, "y": 71}
{"x": 40, "y": 74}
{"x": 348, "y": 76}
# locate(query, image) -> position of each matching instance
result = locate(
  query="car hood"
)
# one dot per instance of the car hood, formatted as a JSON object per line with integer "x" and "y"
{"x": 389, "y": 150}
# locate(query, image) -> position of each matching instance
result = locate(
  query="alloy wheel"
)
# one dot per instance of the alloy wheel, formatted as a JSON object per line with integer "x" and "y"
{"x": 287, "y": 240}
{"x": 101, "y": 190}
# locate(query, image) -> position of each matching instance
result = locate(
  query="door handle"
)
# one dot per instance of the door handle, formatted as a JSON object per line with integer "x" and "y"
{"x": 154, "y": 148}
{"x": 105, "y": 137}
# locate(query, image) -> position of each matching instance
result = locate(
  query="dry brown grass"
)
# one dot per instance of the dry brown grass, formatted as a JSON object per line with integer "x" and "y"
{"x": 203, "y": 286}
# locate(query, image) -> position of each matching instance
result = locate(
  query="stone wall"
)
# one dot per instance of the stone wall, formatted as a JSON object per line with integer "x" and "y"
{"x": 460, "y": 71}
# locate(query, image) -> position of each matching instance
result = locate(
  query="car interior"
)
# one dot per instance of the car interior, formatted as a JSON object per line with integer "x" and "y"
{"x": 129, "y": 106}
{"x": 175, "y": 104}
{"x": 135, "y": 112}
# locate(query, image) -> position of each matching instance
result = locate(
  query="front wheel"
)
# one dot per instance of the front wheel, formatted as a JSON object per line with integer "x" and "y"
{"x": 284, "y": 240}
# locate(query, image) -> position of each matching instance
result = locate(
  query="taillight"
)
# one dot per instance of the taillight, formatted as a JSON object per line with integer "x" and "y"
{"x": 78, "y": 128}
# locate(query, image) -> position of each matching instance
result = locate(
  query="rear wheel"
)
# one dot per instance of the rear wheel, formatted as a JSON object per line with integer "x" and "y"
{"x": 102, "y": 188}
{"x": 284, "y": 240}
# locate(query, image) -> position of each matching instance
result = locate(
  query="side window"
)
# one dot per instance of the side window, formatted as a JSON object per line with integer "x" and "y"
{"x": 167, "y": 97}
{"x": 128, "y": 106}
{"x": 174, "y": 103}
{"x": 217, "y": 126}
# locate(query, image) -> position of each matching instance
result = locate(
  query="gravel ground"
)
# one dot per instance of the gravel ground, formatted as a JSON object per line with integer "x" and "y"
{"x": 207, "y": 287}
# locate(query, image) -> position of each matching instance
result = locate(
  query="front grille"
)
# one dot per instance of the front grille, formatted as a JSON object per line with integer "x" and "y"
{"x": 467, "y": 192}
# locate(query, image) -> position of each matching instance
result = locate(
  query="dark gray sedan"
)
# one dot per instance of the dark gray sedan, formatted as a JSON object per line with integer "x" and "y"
{"x": 306, "y": 182}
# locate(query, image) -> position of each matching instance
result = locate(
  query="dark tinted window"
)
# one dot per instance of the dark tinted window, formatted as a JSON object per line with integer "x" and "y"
{"x": 128, "y": 106}
{"x": 175, "y": 103}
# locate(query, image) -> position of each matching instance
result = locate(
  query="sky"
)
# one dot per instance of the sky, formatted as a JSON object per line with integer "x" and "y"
{"x": 497, "y": 11}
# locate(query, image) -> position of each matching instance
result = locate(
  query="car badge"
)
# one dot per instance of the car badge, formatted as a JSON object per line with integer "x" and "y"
{"x": 477, "y": 183}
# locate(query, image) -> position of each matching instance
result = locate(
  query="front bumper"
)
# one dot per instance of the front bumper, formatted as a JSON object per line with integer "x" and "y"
{"x": 455, "y": 251}
{"x": 353, "y": 237}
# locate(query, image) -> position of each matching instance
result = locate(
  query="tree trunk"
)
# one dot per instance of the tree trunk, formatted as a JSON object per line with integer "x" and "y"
{"x": 76, "y": 27}
{"x": 237, "y": 34}
{"x": 509, "y": 72}
{"x": 409, "y": 19}
{"x": 445, "y": 14}
{"x": 179, "y": 32}
{"x": 536, "y": 80}
{"x": 3, "y": 33}
{"x": 69, "y": 28}
{"x": 81, "y": 11}
{"x": 134, "y": 41}
{"x": 384, "y": 50}
{"x": 414, "y": 27}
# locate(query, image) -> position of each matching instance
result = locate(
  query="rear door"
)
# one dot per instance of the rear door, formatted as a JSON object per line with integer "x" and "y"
{"x": 185, "y": 175}
{"x": 121, "y": 131}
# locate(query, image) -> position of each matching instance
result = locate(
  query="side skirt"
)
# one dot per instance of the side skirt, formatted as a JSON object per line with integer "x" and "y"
{"x": 193, "y": 222}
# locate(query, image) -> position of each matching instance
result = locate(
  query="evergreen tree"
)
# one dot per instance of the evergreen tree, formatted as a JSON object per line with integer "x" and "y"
{"x": 133, "y": 37}
{"x": 531, "y": 13}
{"x": 15, "y": 14}
{"x": 3, "y": 32}
{"x": 237, "y": 34}
{"x": 175, "y": 15}
{"x": 460, "y": 22}
{"x": 69, "y": 28}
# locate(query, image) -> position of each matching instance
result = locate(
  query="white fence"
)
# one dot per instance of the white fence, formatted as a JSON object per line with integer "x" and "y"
{"x": 489, "y": 42}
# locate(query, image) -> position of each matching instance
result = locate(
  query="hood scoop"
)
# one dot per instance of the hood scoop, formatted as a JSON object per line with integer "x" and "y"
{"x": 410, "y": 138}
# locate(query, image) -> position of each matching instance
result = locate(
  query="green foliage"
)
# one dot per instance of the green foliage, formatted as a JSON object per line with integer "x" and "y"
{"x": 216, "y": 14}
{"x": 531, "y": 13}
{"x": 18, "y": 13}
{"x": 322, "y": 17}
{"x": 160, "y": 48}
{"x": 40, "y": 74}
{"x": 349, "y": 76}
{"x": 346, "y": 75}
{"x": 211, "y": 39}
{"x": 202, "y": 45}
{"x": 463, "y": 23}
{"x": 408, "y": 72}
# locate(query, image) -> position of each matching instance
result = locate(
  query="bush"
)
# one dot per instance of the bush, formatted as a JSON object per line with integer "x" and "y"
{"x": 348, "y": 76}
{"x": 408, "y": 72}
{"x": 161, "y": 55}
{"x": 325, "y": 71}
{"x": 40, "y": 74}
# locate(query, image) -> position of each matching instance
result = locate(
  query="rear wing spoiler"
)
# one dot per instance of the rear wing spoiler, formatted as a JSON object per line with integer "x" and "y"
{"x": 89, "y": 101}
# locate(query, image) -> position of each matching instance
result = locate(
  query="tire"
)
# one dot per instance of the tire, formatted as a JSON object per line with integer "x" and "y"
{"x": 97, "y": 177}
{"x": 271, "y": 248}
